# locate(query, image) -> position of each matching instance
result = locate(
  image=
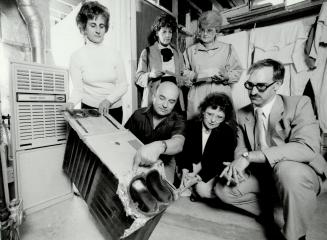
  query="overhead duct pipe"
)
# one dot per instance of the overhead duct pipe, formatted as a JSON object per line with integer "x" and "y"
{"x": 35, "y": 27}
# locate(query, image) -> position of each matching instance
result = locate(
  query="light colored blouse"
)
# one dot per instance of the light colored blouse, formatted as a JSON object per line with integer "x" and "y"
{"x": 97, "y": 73}
{"x": 209, "y": 62}
{"x": 201, "y": 63}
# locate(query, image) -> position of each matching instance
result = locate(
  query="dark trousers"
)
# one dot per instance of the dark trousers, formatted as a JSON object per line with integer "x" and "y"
{"x": 116, "y": 113}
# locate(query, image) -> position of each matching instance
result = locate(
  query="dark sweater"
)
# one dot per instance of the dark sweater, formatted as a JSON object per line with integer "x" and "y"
{"x": 219, "y": 148}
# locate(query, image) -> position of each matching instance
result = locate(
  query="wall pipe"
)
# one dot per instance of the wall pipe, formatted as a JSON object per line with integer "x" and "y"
{"x": 35, "y": 27}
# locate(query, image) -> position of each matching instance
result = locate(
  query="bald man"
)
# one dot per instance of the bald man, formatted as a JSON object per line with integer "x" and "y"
{"x": 160, "y": 129}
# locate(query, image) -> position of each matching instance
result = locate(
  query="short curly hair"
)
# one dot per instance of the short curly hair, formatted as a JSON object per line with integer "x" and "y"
{"x": 164, "y": 20}
{"x": 89, "y": 11}
{"x": 210, "y": 18}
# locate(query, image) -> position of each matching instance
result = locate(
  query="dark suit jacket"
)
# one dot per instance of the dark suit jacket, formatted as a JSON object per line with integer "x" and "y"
{"x": 219, "y": 148}
{"x": 293, "y": 133}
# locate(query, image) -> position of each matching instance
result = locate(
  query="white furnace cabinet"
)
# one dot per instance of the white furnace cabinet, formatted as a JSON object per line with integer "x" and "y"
{"x": 38, "y": 131}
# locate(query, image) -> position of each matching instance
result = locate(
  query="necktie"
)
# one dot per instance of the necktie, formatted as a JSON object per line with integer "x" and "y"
{"x": 259, "y": 130}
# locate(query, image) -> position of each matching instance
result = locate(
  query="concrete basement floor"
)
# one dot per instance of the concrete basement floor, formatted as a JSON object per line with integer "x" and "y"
{"x": 184, "y": 220}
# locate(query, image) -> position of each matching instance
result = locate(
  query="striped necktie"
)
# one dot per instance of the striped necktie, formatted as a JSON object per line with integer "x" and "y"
{"x": 259, "y": 130}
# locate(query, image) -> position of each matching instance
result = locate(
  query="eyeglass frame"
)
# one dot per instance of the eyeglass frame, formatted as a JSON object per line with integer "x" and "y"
{"x": 211, "y": 30}
{"x": 266, "y": 86}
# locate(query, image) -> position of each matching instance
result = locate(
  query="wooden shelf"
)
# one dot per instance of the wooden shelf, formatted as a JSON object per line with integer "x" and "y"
{"x": 286, "y": 14}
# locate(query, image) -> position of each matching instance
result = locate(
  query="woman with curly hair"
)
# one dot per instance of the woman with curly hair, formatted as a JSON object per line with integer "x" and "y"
{"x": 210, "y": 140}
{"x": 96, "y": 70}
{"x": 161, "y": 61}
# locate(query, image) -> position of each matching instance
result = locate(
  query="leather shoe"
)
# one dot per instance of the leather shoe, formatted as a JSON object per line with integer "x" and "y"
{"x": 158, "y": 187}
{"x": 142, "y": 197}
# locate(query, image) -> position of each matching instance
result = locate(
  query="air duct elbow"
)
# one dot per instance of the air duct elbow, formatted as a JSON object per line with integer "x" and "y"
{"x": 35, "y": 27}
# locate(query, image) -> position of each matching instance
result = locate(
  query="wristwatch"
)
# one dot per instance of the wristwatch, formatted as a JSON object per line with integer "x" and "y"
{"x": 246, "y": 156}
{"x": 164, "y": 144}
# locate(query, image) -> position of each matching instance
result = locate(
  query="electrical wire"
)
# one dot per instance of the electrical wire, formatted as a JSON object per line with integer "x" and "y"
{"x": 12, "y": 231}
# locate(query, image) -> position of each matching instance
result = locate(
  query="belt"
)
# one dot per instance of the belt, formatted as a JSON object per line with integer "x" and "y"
{"x": 214, "y": 80}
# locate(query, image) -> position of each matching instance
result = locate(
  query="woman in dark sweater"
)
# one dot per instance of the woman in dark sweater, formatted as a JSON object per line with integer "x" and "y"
{"x": 210, "y": 140}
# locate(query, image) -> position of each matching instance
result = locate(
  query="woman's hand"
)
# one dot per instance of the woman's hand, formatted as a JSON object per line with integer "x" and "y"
{"x": 104, "y": 106}
{"x": 190, "y": 79}
{"x": 155, "y": 74}
{"x": 189, "y": 179}
{"x": 181, "y": 81}
{"x": 68, "y": 106}
{"x": 221, "y": 76}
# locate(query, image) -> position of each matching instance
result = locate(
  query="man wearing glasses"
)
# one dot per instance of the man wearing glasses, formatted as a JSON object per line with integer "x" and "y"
{"x": 277, "y": 157}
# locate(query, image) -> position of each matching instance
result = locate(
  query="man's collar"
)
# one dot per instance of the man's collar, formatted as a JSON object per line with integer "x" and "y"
{"x": 147, "y": 110}
{"x": 266, "y": 109}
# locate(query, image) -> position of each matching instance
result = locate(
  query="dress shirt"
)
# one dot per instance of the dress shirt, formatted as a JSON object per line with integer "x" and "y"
{"x": 141, "y": 125}
{"x": 205, "y": 136}
{"x": 266, "y": 109}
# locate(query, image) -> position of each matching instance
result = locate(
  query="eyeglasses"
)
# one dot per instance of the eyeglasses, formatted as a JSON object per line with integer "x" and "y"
{"x": 260, "y": 86}
{"x": 207, "y": 30}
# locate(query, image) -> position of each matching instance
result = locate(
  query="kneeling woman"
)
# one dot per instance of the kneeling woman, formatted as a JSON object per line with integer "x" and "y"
{"x": 210, "y": 140}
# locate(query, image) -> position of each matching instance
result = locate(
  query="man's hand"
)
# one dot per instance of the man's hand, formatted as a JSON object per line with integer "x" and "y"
{"x": 147, "y": 155}
{"x": 234, "y": 171}
{"x": 104, "y": 106}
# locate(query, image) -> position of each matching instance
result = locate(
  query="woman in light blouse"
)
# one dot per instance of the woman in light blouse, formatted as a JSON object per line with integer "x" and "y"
{"x": 97, "y": 70}
{"x": 210, "y": 65}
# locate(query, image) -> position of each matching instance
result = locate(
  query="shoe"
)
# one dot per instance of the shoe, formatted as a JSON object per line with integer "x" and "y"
{"x": 194, "y": 198}
{"x": 142, "y": 197}
{"x": 158, "y": 187}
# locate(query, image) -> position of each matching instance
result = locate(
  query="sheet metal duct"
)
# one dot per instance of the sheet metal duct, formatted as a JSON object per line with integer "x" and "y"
{"x": 35, "y": 27}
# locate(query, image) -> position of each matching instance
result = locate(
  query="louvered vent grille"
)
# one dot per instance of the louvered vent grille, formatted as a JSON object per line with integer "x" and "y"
{"x": 39, "y": 91}
{"x": 61, "y": 129}
{"x": 97, "y": 186}
{"x": 37, "y": 80}
{"x": 59, "y": 83}
{"x": 40, "y": 121}
{"x": 23, "y": 80}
